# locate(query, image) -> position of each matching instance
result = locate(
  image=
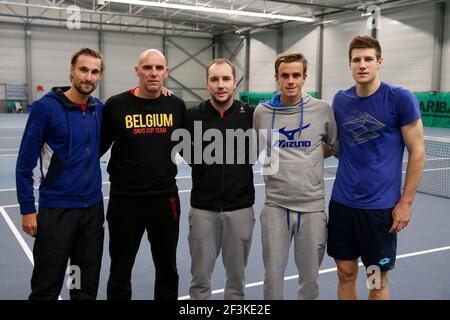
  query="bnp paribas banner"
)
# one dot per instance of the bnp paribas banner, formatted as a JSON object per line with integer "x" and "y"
{"x": 435, "y": 108}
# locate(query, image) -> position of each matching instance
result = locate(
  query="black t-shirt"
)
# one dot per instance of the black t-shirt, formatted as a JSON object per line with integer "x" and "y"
{"x": 140, "y": 131}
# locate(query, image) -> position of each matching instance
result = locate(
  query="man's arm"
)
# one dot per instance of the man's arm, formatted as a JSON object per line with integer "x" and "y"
{"x": 330, "y": 143}
{"x": 327, "y": 152}
{"x": 106, "y": 130}
{"x": 186, "y": 124}
{"x": 30, "y": 148}
{"x": 413, "y": 137}
{"x": 257, "y": 141}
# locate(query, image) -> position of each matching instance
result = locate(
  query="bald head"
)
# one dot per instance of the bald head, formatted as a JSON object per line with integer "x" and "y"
{"x": 150, "y": 53}
{"x": 151, "y": 71}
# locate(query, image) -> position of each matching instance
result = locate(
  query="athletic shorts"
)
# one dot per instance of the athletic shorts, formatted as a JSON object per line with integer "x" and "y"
{"x": 354, "y": 233}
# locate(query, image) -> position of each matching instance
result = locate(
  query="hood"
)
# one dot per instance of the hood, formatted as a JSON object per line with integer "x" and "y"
{"x": 58, "y": 94}
{"x": 276, "y": 105}
{"x": 280, "y": 109}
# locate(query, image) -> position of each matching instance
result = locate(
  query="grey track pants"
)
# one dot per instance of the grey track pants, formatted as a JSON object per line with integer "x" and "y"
{"x": 309, "y": 231}
{"x": 211, "y": 232}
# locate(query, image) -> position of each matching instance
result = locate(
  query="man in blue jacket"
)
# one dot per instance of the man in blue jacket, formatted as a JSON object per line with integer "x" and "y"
{"x": 63, "y": 132}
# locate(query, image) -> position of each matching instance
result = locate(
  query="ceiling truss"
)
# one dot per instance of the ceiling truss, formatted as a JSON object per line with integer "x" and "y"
{"x": 163, "y": 21}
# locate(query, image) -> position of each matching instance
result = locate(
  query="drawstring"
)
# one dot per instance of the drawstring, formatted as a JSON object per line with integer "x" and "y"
{"x": 97, "y": 126}
{"x": 270, "y": 137}
{"x": 273, "y": 125}
{"x": 70, "y": 134}
{"x": 301, "y": 117}
{"x": 70, "y": 127}
{"x": 299, "y": 134}
{"x": 288, "y": 218}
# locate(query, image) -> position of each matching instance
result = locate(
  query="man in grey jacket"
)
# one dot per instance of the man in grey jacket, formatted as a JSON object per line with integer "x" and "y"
{"x": 301, "y": 132}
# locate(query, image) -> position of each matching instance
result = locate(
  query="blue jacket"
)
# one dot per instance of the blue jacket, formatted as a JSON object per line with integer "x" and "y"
{"x": 66, "y": 140}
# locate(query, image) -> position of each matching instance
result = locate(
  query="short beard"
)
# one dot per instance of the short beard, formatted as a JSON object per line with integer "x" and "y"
{"x": 222, "y": 103}
{"x": 80, "y": 90}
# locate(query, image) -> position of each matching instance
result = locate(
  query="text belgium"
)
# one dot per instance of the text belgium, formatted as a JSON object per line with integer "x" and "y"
{"x": 148, "y": 121}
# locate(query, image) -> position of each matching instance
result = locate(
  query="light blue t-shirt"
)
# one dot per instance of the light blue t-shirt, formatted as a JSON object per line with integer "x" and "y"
{"x": 369, "y": 173}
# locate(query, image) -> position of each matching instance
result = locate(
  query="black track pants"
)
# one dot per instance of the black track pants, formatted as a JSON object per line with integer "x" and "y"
{"x": 63, "y": 234}
{"x": 128, "y": 218}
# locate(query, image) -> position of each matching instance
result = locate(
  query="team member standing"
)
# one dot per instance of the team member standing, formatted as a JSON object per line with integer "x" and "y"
{"x": 63, "y": 131}
{"x": 144, "y": 195}
{"x": 221, "y": 216}
{"x": 367, "y": 209}
{"x": 295, "y": 195}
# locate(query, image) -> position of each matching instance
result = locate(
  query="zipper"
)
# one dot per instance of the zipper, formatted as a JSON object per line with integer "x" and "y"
{"x": 222, "y": 125}
{"x": 88, "y": 155}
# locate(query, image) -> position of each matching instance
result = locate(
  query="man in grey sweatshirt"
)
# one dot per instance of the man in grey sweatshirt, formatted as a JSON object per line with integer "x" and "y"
{"x": 301, "y": 132}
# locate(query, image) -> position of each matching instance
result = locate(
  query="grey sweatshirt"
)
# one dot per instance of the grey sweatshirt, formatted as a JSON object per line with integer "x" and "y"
{"x": 295, "y": 133}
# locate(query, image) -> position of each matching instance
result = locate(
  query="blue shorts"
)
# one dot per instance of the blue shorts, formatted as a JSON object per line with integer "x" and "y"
{"x": 354, "y": 233}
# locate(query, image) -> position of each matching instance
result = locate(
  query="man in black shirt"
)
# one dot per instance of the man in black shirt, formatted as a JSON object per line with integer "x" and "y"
{"x": 144, "y": 195}
{"x": 221, "y": 216}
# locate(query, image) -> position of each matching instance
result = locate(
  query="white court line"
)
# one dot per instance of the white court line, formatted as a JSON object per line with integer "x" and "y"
{"x": 8, "y": 128}
{"x": 19, "y": 237}
{"x": 257, "y": 185}
{"x": 8, "y": 155}
{"x": 9, "y": 149}
{"x": 436, "y": 169}
{"x": 16, "y": 154}
{"x": 436, "y": 159}
{"x": 189, "y": 177}
{"x": 260, "y": 283}
{"x": 103, "y": 183}
{"x": 107, "y": 182}
{"x": 12, "y": 189}
{"x": 36, "y": 188}
{"x": 106, "y": 198}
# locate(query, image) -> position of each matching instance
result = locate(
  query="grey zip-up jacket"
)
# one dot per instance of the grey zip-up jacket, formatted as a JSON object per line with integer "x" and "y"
{"x": 294, "y": 135}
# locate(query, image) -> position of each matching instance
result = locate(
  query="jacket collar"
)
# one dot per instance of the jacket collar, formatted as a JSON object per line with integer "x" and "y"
{"x": 59, "y": 92}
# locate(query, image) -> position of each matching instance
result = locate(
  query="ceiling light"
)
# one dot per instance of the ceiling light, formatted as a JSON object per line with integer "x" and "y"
{"x": 199, "y": 8}
{"x": 325, "y": 21}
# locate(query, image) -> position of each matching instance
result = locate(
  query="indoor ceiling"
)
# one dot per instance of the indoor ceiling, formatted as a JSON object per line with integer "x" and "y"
{"x": 102, "y": 14}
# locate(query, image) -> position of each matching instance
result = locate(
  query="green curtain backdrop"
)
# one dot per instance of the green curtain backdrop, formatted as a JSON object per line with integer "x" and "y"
{"x": 435, "y": 108}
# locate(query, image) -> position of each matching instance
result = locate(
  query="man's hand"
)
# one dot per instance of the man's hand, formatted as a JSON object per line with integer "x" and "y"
{"x": 166, "y": 92}
{"x": 327, "y": 152}
{"x": 401, "y": 215}
{"x": 29, "y": 224}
